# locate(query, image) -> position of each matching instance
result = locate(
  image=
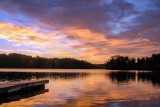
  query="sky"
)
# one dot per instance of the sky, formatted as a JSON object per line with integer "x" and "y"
{"x": 92, "y": 30}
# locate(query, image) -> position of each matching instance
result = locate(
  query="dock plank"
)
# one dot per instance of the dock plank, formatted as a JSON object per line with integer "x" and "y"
{"x": 9, "y": 87}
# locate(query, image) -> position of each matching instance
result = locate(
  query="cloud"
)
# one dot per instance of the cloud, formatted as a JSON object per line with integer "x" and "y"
{"x": 94, "y": 15}
{"x": 20, "y": 34}
{"x": 86, "y": 29}
{"x": 60, "y": 53}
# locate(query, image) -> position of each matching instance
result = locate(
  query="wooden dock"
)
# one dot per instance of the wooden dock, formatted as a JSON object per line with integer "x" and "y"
{"x": 13, "y": 87}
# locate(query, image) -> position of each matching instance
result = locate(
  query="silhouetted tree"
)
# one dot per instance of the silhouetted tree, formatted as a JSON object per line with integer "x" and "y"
{"x": 15, "y": 60}
{"x": 120, "y": 62}
{"x": 124, "y": 63}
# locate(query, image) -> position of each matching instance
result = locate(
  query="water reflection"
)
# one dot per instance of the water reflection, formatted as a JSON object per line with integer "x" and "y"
{"x": 16, "y": 76}
{"x": 153, "y": 77}
{"x": 124, "y": 77}
{"x": 91, "y": 88}
{"x": 121, "y": 77}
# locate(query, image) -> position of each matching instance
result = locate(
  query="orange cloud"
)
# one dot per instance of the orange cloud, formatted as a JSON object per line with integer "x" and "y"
{"x": 97, "y": 47}
{"x": 62, "y": 53}
{"x": 25, "y": 35}
{"x": 92, "y": 45}
{"x": 75, "y": 42}
{"x": 84, "y": 35}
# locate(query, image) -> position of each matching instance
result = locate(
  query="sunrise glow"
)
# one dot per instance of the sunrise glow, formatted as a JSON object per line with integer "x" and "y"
{"x": 91, "y": 30}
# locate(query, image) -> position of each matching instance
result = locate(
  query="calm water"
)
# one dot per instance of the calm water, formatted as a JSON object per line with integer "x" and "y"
{"x": 88, "y": 88}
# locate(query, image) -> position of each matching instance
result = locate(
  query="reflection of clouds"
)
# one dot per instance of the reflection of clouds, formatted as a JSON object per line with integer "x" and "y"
{"x": 101, "y": 91}
{"x": 94, "y": 90}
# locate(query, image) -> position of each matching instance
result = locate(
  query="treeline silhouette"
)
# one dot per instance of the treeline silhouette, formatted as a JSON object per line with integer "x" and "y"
{"x": 15, "y": 60}
{"x": 117, "y": 62}
{"x": 125, "y": 63}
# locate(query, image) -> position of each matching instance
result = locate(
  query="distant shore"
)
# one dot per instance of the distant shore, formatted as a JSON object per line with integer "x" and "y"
{"x": 117, "y": 62}
{"x": 16, "y": 60}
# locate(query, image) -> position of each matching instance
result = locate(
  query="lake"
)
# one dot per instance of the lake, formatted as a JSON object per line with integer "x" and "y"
{"x": 87, "y": 88}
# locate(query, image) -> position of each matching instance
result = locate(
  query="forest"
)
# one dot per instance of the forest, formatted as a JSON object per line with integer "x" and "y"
{"x": 15, "y": 60}
{"x": 118, "y": 62}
